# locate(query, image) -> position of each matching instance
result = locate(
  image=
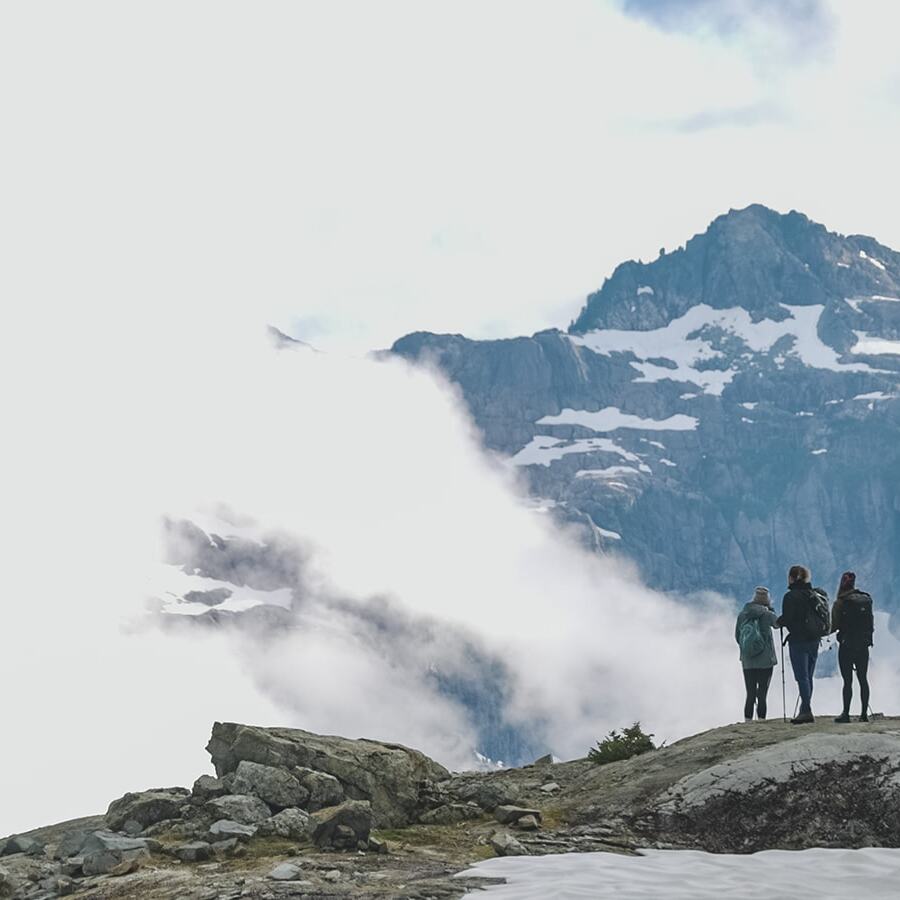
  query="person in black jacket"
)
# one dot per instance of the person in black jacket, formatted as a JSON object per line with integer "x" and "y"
{"x": 852, "y": 619}
{"x": 802, "y": 642}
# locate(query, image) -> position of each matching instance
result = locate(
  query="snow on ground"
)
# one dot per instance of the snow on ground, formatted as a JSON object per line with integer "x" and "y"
{"x": 668, "y": 462}
{"x": 875, "y": 395}
{"x": 871, "y": 259}
{"x": 870, "y": 344}
{"x": 819, "y": 874}
{"x": 610, "y": 419}
{"x": 170, "y": 583}
{"x": 644, "y": 289}
{"x": 544, "y": 449}
{"x": 680, "y": 343}
{"x": 819, "y": 452}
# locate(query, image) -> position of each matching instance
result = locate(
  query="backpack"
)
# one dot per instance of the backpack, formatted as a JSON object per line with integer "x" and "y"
{"x": 818, "y": 616}
{"x": 750, "y": 639}
{"x": 857, "y": 621}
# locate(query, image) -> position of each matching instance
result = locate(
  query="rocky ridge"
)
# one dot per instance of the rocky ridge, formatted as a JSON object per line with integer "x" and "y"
{"x": 293, "y": 814}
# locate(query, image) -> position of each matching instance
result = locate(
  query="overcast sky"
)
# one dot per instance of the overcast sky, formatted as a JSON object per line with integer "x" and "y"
{"x": 357, "y": 171}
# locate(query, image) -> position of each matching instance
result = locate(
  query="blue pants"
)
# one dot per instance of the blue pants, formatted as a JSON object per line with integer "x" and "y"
{"x": 803, "y": 661}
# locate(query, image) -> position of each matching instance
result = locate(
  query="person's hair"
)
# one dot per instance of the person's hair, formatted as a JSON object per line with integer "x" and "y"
{"x": 799, "y": 573}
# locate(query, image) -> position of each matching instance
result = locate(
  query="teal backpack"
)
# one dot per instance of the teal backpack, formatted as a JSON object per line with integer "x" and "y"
{"x": 750, "y": 639}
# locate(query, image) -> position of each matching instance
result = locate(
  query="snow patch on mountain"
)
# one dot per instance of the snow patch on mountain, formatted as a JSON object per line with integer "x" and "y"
{"x": 687, "y": 344}
{"x": 871, "y": 345}
{"x": 611, "y": 419}
{"x": 544, "y": 449}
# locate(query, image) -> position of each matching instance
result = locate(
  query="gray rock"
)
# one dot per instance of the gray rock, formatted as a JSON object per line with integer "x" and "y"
{"x": 387, "y": 775}
{"x": 19, "y": 843}
{"x": 132, "y": 828}
{"x": 209, "y": 598}
{"x": 243, "y": 808}
{"x": 332, "y": 875}
{"x": 487, "y": 794}
{"x": 342, "y": 826}
{"x": 508, "y": 815}
{"x": 196, "y": 851}
{"x": 545, "y": 760}
{"x": 9, "y": 886}
{"x": 73, "y": 866}
{"x": 550, "y": 788}
{"x": 106, "y": 853}
{"x": 505, "y": 844}
{"x": 376, "y": 845}
{"x": 146, "y": 807}
{"x": 528, "y": 823}
{"x": 324, "y": 789}
{"x": 206, "y": 787}
{"x": 274, "y": 786}
{"x": 285, "y": 872}
{"x": 450, "y": 814}
{"x": 70, "y": 844}
{"x": 289, "y": 823}
{"x": 224, "y": 829}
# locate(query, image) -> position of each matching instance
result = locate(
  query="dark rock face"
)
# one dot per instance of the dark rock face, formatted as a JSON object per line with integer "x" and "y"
{"x": 146, "y": 808}
{"x": 760, "y": 366}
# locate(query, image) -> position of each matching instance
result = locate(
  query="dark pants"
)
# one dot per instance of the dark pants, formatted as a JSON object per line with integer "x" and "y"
{"x": 803, "y": 661}
{"x": 757, "y": 683}
{"x": 850, "y": 658}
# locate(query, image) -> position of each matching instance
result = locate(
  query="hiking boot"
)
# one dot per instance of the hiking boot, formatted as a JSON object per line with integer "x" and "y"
{"x": 864, "y": 718}
{"x": 843, "y": 718}
{"x": 803, "y": 719}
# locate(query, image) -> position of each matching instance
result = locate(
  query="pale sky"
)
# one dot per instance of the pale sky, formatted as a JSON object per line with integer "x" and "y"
{"x": 360, "y": 170}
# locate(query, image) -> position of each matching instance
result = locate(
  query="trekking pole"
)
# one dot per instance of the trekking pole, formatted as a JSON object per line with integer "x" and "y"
{"x": 783, "y": 700}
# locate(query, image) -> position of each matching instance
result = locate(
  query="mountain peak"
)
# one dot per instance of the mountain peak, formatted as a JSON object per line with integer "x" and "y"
{"x": 754, "y": 258}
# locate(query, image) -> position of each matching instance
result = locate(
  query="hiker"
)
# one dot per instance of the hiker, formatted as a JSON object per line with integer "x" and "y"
{"x": 753, "y": 633}
{"x": 805, "y": 614}
{"x": 852, "y": 619}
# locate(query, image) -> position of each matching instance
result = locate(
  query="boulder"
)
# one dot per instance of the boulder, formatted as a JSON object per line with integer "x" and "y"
{"x": 528, "y": 823}
{"x": 505, "y": 844}
{"x": 243, "y": 808}
{"x": 342, "y": 827}
{"x": 206, "y": 787}
{"x": 230, "y": 847}
{"x": 276, "y": 787}
{"x": 509, "y": 815}
{"x": 550, "y": 788}
{"x": 324, "y": 789}
{"x": 376, "y": 845}
{"x": 487, "y": 794}
{"x": 450, "y": 814}
{"x": 285, "y": 872}
{"x": 289, "y": 823}
{"x": 146, "y": 807}
{"x": 225, "y": 829}
{"x": 389, "y": 776}
{"x": 70, "y": 844}
{"x": 20, "y": 843}
{"x": 195, "y": 851}
{"x": 104, "y": 852}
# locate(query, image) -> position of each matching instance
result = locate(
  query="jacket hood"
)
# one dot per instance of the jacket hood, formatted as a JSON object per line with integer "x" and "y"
{"x": 755, "y": 610}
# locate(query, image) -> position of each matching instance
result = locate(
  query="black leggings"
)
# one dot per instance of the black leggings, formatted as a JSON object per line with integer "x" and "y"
{"x": 848, "y": 659}
{"x": 757, "y": 684}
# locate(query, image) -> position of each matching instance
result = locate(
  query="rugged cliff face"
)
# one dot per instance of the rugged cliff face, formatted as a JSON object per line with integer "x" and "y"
{"x": 718, "y": 414}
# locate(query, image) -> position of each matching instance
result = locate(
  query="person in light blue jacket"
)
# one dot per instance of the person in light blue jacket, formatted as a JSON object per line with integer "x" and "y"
{"x": 753, "y": 633}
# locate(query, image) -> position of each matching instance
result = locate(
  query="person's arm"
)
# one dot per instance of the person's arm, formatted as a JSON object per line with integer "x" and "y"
{"x": 737, "y": 628}
{"x": 786, "y": 620}
{"x": 769, "y": 618}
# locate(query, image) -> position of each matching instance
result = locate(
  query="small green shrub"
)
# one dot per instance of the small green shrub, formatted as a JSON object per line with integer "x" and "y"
{"x": 621, "y": 745}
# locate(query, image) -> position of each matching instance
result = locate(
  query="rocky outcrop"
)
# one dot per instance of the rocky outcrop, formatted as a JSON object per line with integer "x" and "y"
{"x": 739, "y": 788}
{"x": 389, "y": 776}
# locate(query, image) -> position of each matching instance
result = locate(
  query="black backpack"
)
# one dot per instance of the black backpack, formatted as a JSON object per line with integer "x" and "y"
{"x": 818, "y": 616}
{"x": 857, "y": 621}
